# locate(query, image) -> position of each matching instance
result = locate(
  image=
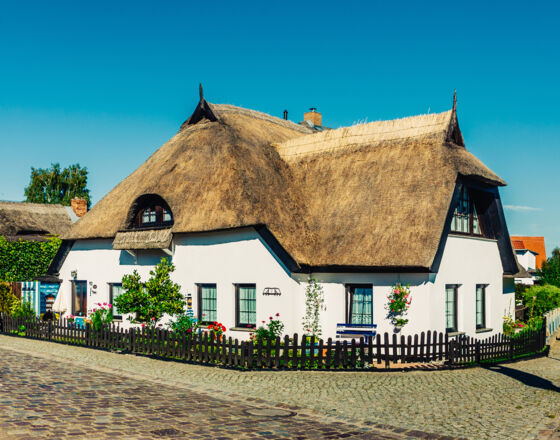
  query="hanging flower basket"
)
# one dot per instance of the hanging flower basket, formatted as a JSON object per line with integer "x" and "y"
{"x": 398, "y": 305}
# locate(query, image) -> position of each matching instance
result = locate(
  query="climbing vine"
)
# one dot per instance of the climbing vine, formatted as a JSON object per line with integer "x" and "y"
{"x": 25, "y": 260}
{"x": 314, "y": 304}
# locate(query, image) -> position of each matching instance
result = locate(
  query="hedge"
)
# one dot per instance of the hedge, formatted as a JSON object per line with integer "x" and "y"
{"x": 26, "y": 260}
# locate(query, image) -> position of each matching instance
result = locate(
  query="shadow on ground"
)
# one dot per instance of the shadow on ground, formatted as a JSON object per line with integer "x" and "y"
{"x": 525, "y": 378}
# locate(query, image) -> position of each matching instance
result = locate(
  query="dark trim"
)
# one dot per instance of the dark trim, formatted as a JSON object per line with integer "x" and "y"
{"x": 350, "y": 301}
{"x": 483, "y": 325}
{"x": 84, "y": 298}
{"x": 199, "y": 287}
{"x": 269, "y": 238}
{"x": 111, "y": 285}
{"x": 202, "y": 110}
{"x": 237, "y": 323}
{"x": 491, "y": 219}
{"x": 305, "y": 268}
{"x": 434, "y": 268}
{"x": 455, "y": 288}
{"x": 58, "y": 260}
{"x": 48, "y": 279}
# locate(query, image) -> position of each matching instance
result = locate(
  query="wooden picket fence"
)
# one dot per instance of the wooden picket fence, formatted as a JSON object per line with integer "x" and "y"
{"x": 287, "y": 353}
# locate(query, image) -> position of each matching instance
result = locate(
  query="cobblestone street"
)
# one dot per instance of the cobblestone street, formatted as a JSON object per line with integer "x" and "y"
{"x": 86, "y": 393}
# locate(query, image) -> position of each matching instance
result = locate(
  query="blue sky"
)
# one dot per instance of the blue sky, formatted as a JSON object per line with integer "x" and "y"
{"x": 106, "y": 83}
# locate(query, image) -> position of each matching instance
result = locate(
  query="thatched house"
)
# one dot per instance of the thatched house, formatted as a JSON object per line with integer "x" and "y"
{"x": 248, "y": 206}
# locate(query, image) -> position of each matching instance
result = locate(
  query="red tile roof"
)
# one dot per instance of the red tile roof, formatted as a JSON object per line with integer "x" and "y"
{"x": 535, "y": 244}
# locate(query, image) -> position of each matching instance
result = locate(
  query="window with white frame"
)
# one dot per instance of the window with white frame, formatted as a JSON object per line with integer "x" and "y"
{"x": 451, "y": 291}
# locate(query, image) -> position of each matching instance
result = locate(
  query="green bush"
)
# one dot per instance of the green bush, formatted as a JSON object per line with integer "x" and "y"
{"x": 26, "y": 260}
{"x": 23, "y": 310}
{"x": 541, "y": 299}
{"x": 184, "y": 324}
{"x": 150, "y": 300}
{"x": 550, "y": 270}
{"x": 8, "y": 301}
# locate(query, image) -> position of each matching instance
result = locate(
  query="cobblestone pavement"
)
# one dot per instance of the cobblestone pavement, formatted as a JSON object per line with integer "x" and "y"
{"x": 137, "y": 395}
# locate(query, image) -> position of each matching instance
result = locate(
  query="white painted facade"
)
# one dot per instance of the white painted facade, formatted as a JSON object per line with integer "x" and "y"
{"x": 241, "y": 256}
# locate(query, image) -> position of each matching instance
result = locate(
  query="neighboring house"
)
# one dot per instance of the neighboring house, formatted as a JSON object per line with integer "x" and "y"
{"x": 531, "y": 253}
{"x": 248, "y": 206}
{"x": 36, "y": 222}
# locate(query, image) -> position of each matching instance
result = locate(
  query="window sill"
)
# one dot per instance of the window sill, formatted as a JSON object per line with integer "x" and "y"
{"x": 451, "y": 334}
{"x": 242, "y": 329}
{"x": 483, "y": 330}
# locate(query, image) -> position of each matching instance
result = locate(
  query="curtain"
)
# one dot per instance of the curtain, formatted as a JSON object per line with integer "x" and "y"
{"x": 362, "y": 305}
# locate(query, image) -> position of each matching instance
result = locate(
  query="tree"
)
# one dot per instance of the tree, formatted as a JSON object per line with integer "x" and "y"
{"x": 541, "y": 299}
{"x": 549, "y": 273}
{"x": 149, "y": 301}
{"x": 53, "y": 185}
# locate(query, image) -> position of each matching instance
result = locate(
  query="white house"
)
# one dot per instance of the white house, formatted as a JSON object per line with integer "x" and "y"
{"x": 248, "y": 206}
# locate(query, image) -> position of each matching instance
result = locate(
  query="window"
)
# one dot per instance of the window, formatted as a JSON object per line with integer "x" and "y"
{"x": 79, "y": 298}
{"x": 207, "y": 303}
{"x": 451, "y": 307}
{"x": 149, "y": 215}
{"x": 149, "y": 211}
{"x": 465, "y": 218}
{"x": 115, "y": 289}
{"x": 246, "y": 305}
{"x": 359, "y": 304}
{"x": 480, "y": 306}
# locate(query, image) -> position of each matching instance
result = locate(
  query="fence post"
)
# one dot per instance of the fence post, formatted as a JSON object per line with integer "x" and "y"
{"x": 451, "y": 351}
{"x": 131, "y": 337}
{"x": 543, "y": 332}
{"x": 49, "y": 330}
{"x": 477, "y": 351}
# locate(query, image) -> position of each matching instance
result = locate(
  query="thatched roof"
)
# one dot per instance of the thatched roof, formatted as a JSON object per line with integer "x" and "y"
{"x": 374, "y": 195}
{"x": 150, "y": 239}
{"x": 32, "y": 221}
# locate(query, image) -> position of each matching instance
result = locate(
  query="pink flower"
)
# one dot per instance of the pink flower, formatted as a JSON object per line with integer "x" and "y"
{"x": 93, "y": 310}
{"x": 104, "y": 304}
{"x": 270, "y": 317}
{"x": 278, "y": 314}
{"x": 110, "y": 306}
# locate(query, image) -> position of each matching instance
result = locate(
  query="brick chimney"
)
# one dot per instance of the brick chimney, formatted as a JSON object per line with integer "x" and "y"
{"x": 79, "y": 206}
{"x": 314, "y": 117}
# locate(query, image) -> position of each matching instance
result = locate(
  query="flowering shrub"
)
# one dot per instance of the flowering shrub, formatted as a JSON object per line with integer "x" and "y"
{"x": 217, "y": 329}
{"x": 101, "y": 316}
{"x": 270, "y": 330}
{"x": 398, "y": 305}
{"x": 510, "y": 326}
{"x": 184, "y": 324}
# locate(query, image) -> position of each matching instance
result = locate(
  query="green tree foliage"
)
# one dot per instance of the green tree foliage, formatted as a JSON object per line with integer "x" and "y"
{"x": 26, "y": 260}
{"x": 53, "y": 185}
{"x": 8, "y": 301}
{"x": 550, "y": 271}
{"x": 149, "y": 301}
{"x": 541, "y": 299}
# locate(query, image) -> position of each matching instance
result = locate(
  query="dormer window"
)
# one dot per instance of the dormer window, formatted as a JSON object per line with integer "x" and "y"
{"x": 150, "y": 211}
{"x": 465, "y": 218}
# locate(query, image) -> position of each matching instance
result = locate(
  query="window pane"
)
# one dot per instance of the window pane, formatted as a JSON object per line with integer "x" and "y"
{"x": 116, "y": 290}
{"x": 362, "y": 305}
{"x": 208, "y": 298}
{"x": 247, "y": 305}
{"x": 480, "y": 291}
{"x": 450, "y": 318}
{"x": 166, "y": 215}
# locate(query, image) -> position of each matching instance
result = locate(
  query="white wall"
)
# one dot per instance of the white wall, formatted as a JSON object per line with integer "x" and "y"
{"x": 227, "y": 258}
{"x": 526, "y": 258}
{"x": 222, "y": 258}
{"x": 470, "y": 261}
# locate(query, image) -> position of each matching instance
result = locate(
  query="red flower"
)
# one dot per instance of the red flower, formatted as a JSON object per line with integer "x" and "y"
{"x": 278, "y": 314}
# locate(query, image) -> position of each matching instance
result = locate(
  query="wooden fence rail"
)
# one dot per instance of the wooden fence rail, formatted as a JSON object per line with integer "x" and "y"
{"x": 286, "y": 353}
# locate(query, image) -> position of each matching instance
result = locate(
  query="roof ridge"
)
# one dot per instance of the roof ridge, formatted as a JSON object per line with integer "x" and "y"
{"x": 372, "y": 133}
{"x": 229, "y": 108}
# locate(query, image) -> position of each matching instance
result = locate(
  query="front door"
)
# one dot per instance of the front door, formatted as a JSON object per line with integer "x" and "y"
{"x": 79, "y": 298}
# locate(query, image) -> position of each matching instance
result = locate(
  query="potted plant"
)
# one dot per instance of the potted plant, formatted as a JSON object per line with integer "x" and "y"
{"x": 397, "y": 306}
